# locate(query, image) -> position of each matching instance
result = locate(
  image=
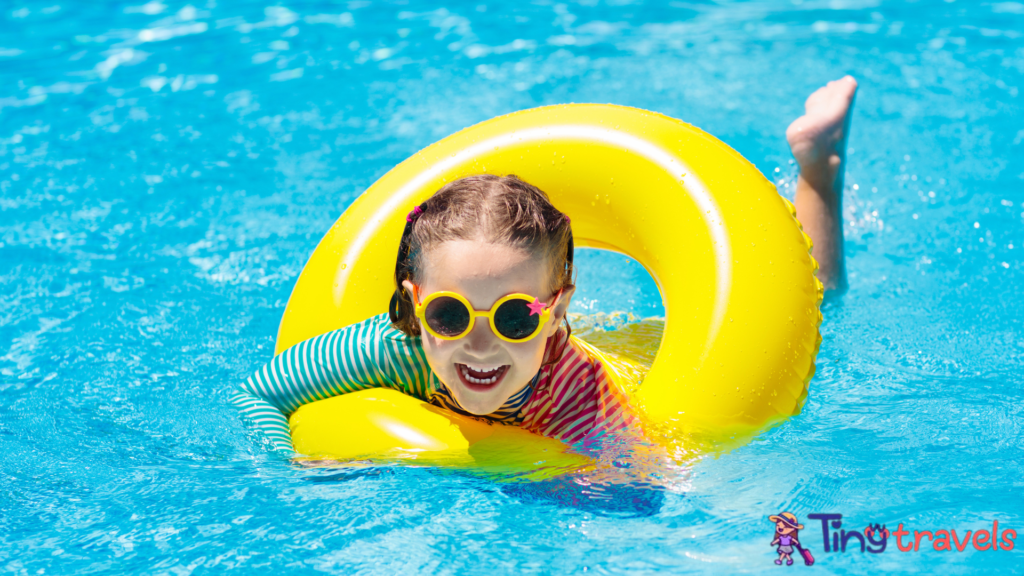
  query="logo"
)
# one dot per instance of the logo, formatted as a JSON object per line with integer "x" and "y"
{"x": 787, "y": 531}
{"x": 874, "y": 539}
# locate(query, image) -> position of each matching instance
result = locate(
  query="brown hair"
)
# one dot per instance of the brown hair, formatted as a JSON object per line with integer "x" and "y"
{"x": 497, "y": 209}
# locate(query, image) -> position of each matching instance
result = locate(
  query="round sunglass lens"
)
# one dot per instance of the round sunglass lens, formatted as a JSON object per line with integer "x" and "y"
{"x": 514, "y": 321}
{"x": 447, "y": 316}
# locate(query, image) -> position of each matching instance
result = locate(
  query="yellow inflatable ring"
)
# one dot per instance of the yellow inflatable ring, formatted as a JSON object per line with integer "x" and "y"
{"x": 731, "y": 262}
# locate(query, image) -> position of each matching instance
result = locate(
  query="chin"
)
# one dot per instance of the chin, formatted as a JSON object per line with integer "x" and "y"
{"x": 479, "y": 409}
{"x": 482, "y": 392}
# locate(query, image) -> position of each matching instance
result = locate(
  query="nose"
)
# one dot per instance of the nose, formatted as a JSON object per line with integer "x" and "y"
{"x": 481, "y": 340}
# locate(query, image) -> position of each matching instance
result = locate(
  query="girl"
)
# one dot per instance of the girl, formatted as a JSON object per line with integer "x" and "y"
{"x": 481, "y": 245}
{"x": 483, "y": 282}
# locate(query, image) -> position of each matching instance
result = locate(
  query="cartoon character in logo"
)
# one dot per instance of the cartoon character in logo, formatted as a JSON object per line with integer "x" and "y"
{"x": 786, "y": 531}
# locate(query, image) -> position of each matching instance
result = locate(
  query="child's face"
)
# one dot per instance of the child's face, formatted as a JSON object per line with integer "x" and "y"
{"x": 483, "y": 273}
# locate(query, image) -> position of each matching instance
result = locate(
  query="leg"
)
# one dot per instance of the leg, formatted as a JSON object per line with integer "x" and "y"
{"x": 818, "y": 142}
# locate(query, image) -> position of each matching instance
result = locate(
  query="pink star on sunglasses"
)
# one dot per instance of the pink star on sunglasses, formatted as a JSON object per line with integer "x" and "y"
{"x": 537, "y": 307}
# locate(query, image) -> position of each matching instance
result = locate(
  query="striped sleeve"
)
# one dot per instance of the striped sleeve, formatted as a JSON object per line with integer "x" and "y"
{"x": 369, "y": 354}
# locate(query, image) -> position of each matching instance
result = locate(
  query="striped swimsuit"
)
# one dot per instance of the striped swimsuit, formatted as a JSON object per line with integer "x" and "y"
{"x": 568, "y": 400}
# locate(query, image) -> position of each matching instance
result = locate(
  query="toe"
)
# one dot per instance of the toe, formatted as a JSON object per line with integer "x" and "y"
{"x": 849, "y": 85}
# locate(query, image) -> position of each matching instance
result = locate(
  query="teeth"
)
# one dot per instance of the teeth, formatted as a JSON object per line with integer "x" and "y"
{"x": 480, "y": 369}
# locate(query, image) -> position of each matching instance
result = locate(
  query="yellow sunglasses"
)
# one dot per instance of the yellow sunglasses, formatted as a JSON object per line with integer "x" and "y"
{"x": 513, "y": 318}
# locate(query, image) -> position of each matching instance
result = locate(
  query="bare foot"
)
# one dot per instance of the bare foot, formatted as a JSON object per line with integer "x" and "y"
{"x": 818, "y": 142}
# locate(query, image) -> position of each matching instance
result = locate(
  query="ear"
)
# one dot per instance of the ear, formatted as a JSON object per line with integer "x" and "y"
{"x": 560, "y": 309}
{"x": 409, "y": 286}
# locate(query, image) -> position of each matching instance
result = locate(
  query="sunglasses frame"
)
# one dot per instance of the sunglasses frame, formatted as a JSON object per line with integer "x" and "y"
{"x": 421, "y": 313}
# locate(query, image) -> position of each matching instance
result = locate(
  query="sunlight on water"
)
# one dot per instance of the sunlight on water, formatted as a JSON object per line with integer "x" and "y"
{"x": 167, "y": 166}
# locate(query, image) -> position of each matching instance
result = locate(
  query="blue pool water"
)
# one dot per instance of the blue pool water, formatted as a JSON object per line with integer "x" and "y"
{"x": 166, "y": 168}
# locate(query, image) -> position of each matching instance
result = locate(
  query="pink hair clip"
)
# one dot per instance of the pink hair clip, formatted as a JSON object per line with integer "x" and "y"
{"x": 414, "y": 214}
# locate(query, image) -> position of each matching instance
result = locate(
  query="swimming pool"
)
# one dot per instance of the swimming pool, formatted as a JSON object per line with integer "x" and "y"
{"x": 166, "y": 168}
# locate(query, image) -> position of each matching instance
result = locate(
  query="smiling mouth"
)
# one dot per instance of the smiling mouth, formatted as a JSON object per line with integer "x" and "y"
{"x": 481, "y": 378}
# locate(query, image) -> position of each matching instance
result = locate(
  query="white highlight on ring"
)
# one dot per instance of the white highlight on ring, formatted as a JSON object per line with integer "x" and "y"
{"x": 406, "y": 432}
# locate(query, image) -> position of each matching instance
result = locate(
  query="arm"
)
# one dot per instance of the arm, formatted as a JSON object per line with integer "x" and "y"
{"x": 354, "y": 358}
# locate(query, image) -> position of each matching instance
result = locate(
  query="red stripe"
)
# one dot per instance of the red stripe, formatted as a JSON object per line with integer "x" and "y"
{"x": 581, "y": 429}
{"x": 574, "y": 398}
{"x": 562, "y": 382}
